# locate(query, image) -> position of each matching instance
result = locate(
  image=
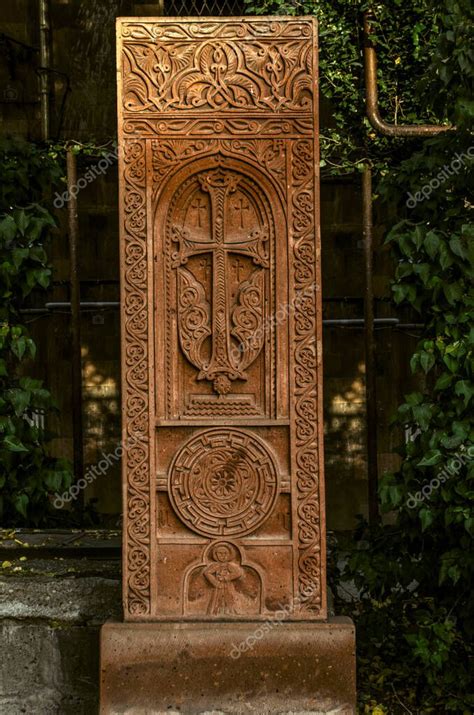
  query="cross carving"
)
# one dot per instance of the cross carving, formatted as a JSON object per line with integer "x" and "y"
{"x": 237, "y": 265}
{"x": 223, "y": 365}
{"x": 241, "y": 206}
{"x": 199, "y": 206}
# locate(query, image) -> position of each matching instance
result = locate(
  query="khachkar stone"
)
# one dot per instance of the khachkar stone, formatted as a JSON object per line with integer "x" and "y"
{"x": 221, "y": 362}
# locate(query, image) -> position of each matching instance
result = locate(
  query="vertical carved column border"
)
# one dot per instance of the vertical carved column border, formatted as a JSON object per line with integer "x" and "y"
{"x": 306, "y": 367}
{"x": 305, "y": 377}
{"x": 307, "y": 370}
{"x": 135, "y": 382}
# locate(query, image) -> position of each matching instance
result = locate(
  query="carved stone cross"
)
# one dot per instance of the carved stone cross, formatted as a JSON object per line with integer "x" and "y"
{"x": 222, "y": 377}
{"x": 200, "y": 208}
{"x": 241, "y": 207}
{"x": 226, "y": 361}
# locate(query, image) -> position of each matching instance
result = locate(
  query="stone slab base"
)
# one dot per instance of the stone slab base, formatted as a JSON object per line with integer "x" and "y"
{"x": 196, "y": 668}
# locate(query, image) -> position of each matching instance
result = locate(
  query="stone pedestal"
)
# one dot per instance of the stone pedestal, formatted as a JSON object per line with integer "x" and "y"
{"x": 191, "y": 668}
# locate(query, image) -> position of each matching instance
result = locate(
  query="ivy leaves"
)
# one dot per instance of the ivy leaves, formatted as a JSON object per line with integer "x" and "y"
{"x": 23, "y": 260}
{"x": 28, "y": 473}
{"x": 435, "y": 269}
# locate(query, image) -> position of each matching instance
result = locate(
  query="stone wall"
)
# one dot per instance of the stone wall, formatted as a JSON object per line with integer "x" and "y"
{"x": 51, "y": 611}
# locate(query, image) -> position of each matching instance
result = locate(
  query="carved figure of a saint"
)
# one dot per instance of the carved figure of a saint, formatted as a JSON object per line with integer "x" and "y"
{"x": 221, "y": 573}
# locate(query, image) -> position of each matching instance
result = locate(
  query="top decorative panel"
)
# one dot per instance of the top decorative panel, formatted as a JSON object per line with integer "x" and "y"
{"x": 219, "y": 67}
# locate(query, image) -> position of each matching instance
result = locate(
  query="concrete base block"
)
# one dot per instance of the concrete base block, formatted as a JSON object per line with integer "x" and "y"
{"x": 228, "y": 668}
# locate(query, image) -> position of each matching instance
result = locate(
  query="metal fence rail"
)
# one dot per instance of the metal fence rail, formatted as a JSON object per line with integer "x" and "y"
{"x": 183, "y": 8}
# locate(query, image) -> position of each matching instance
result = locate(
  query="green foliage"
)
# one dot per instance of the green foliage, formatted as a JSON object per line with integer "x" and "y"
{"x": 27, "y": 473}
{"x": 414, "y": 572}
{"x": 405, "y": 35}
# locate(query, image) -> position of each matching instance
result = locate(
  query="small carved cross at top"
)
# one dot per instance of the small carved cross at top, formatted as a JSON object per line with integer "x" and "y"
{"x": 199, "y": 206}
{"x": 237, "y": 265}
{"x": 207, "y": 265}
{"x": 241, "y": 206}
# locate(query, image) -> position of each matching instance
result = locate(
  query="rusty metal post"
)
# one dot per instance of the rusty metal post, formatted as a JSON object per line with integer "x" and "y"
{"x": 75, "y": 316}
{"x": 45, "y": 52}
{"x": 369, "y": 335}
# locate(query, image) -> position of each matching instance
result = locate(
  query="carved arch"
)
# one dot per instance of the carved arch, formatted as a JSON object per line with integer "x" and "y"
{"x": 171, "y": 267}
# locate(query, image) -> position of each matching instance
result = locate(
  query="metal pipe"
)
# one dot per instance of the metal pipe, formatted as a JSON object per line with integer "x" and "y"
{"x": 45, "y": 58}
{"x": 75, "y": 317}
{"x": 115, "y": 304}
{"x": 369, "y": 335}
{"x": 372, "y": 103}
{"x": 83, "y": 304}
{"x": 66, "y": 305}
{"x": 359, "y": 322}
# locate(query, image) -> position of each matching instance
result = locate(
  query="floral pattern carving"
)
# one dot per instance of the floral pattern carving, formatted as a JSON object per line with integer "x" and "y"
{"x": 194, "y": 316}
{"x": 216, "y": 29}
{"x": 233, "y": 126}
{"x": 218, "y": 76}
{"x": 269, "y": 154}
{"x": 248, "y": 318}
{"x": 170, "y": 153}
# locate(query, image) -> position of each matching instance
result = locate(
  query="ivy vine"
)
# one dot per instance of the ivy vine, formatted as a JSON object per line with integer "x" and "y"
{"x": 28, "y": 474}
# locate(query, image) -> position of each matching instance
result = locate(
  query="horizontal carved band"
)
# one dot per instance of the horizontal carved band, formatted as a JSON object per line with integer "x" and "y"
{"x": 164, "y": 30}
{"x": 289, "y": 127}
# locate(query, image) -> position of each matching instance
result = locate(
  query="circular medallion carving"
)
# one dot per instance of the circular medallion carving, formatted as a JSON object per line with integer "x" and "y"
{"x": 223, "y": 482}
